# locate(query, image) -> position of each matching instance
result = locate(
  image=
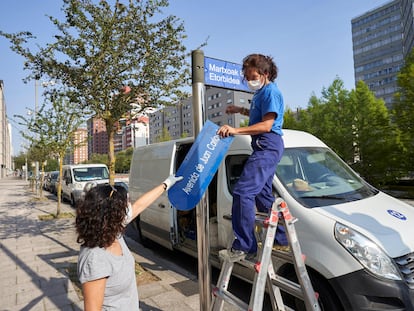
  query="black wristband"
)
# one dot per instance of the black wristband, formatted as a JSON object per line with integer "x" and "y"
{"x": 165, "y": 185}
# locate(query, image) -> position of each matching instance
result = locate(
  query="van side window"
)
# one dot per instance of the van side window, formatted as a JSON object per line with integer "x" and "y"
{"x": 234, "y": 168}
{"x": 66, "y": 176}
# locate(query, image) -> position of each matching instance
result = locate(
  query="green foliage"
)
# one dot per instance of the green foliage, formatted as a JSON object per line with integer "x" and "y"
{"x": 123, "y": 160}
{"x": 51, "y": 165}
{"x": 244, "y": 122}
{"x": 19, "y": 160}
{"x": 109, "y": 54}
{"x": 356, "y": 126}
{"x": 51, "y": 132}
{"x": 403, "y": 112}
{"x": 376, "y": 140}
{"x": 164, "y": 136}
{"x": 290, "y": 120}
{"x": 97, "y": 158}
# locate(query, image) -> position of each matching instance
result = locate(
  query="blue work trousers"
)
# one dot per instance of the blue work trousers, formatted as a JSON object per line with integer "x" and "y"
{"x": 254, "y": 189}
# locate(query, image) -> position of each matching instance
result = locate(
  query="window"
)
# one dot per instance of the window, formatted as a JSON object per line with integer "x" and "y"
{"x": 234, "y": 168}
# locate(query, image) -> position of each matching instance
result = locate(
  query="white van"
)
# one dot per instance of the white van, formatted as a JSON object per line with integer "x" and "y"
{"x": 358, "y": 241}
{"x": 75, "y": 177}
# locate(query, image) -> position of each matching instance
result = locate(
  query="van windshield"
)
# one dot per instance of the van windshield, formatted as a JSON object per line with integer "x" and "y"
{"x": 90, "y": 173}
{"x": 318, "y": 177}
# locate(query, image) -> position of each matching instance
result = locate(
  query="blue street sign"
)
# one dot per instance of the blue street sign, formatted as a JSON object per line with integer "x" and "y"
{"x": 224, "y": 74}
{"x": 198, "y": 168}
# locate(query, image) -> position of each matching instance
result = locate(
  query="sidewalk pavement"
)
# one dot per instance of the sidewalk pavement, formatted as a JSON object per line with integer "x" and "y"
{"x": 37, "y": 256}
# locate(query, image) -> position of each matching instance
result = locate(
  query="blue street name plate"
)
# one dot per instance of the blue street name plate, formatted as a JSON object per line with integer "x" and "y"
{"x": 224, "y": 74}
{"x": 198, "y": 168}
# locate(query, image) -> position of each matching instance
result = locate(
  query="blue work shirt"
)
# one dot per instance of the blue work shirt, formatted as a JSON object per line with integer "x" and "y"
{"x": 267, "y": 99}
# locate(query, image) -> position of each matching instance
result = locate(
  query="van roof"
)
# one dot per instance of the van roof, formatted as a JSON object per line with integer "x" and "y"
{"x": 84, "y": 165}
{"x": 294, "y": 138}
{"x": 291, "y": 138}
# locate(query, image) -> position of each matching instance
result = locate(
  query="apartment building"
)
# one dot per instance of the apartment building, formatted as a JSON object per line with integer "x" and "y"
{"x": 132, "y": 132}
{"x": 80, "y": 152}
{"x": 98, "y": 138}
{"x": 5, "y": 137}
{"x": 382, "y": 38}
{"x": 177, "y": 121}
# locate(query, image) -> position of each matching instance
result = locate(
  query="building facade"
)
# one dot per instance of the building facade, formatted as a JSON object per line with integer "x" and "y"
{"x": 171, "y": 122}
{"x": 132, "y": 132}
{"x": 381, "y": 39}
{"x": 175, "y": 122}
{"x": 98, "y": 138}
{"x": 80, "y": 152}
{"x": 5, "y": 138}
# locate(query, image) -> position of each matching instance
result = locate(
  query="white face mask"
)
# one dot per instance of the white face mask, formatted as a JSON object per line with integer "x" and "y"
{"x": 254, "y": 85}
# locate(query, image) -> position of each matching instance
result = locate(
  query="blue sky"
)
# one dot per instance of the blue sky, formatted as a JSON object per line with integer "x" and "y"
{"x": 310, "y": 41}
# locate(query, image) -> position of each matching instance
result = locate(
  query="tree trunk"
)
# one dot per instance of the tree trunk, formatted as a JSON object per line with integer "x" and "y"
{"x": 59, "y": 186}
{"x": 111, "y": 154}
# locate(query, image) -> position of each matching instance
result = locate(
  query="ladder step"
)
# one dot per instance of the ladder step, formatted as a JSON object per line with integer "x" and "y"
{"x": 265, "y": 277}
{"x": 288, "y": 286}
{"x": 230, "y": 298}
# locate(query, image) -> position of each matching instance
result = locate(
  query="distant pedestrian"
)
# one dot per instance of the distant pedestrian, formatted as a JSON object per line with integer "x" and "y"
{"x": 106, "y": 267}
{"x": 254, "y": 188}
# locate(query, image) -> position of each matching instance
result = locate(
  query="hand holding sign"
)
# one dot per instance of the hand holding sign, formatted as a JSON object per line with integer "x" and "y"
{"x": 199, "y": 167}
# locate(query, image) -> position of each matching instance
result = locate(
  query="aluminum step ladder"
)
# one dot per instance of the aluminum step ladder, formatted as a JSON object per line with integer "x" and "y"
{"x": 265, "y": 276}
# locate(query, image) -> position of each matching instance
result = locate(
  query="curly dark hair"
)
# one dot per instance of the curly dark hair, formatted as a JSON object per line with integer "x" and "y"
{"x": 100, "y": 217}
{"x": 263, "y": 64}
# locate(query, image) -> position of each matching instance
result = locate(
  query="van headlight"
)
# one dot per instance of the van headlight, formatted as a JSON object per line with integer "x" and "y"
{"x": 89, "y": 185}
{"x": 369, "y": 254}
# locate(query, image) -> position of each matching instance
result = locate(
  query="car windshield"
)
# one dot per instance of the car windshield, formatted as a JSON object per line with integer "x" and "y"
{"x": 90, "y": 173}
{"x": 318, "y": 177}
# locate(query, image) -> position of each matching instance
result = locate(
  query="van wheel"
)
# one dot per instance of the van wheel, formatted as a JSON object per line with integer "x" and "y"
{"x": 327, "y": 298}
{"x": 141, "y": 238}
{"x": 72, "y": 201}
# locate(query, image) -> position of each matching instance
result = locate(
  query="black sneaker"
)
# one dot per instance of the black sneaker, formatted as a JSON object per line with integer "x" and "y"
{"x": 251, "y": 256}
{"x": 236, "y": 254}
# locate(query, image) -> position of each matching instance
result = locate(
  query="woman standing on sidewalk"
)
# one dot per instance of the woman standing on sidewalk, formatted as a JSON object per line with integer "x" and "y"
{"x": 106, "y": 267}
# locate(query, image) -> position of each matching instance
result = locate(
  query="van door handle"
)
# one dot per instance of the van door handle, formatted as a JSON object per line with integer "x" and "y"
{"x": 161, "y": 205}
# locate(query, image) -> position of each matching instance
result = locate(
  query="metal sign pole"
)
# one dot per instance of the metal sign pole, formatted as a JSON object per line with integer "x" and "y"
{"x": 202, "y": 209}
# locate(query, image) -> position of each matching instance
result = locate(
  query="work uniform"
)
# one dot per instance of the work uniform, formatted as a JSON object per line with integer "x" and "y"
{"x": 254, "y": 187}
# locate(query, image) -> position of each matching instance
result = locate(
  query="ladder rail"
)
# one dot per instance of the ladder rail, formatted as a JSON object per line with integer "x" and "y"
{"x": 265, "y": 276}
{"x": 309, "y": 296}
{"x": 262, "y": 267}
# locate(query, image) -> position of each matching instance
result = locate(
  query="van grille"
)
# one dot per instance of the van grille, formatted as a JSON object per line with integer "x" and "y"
{"x": 406, "y": 265}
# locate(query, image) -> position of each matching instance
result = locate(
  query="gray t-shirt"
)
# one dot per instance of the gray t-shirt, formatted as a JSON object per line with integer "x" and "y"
{"x": 121, "y": 291}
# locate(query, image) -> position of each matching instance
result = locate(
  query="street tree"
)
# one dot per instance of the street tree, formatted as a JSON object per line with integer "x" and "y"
{"x": 329, "y": 118}
{"x": 39, "y": 148}
{"x": 39, "y": 151}
{"x": 376, "y": 141}
{"x": 20, "y": 160}
{"x": 356, "y": 126}
{"x": 403, "y": 111}
{"x": 53, "y": 131}
{"x": 111, "y": 54}
{"x": 290, "y": 119}
{"x": 123, "y": 160}
{"x": 163, "y": 136}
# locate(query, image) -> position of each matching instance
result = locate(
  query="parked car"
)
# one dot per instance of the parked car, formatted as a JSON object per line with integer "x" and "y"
{"x": 46, "y": 181}
{"x": 75, "y": 177}
{"x": 53, "y": 179}
{"x": 91, "y": 184}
